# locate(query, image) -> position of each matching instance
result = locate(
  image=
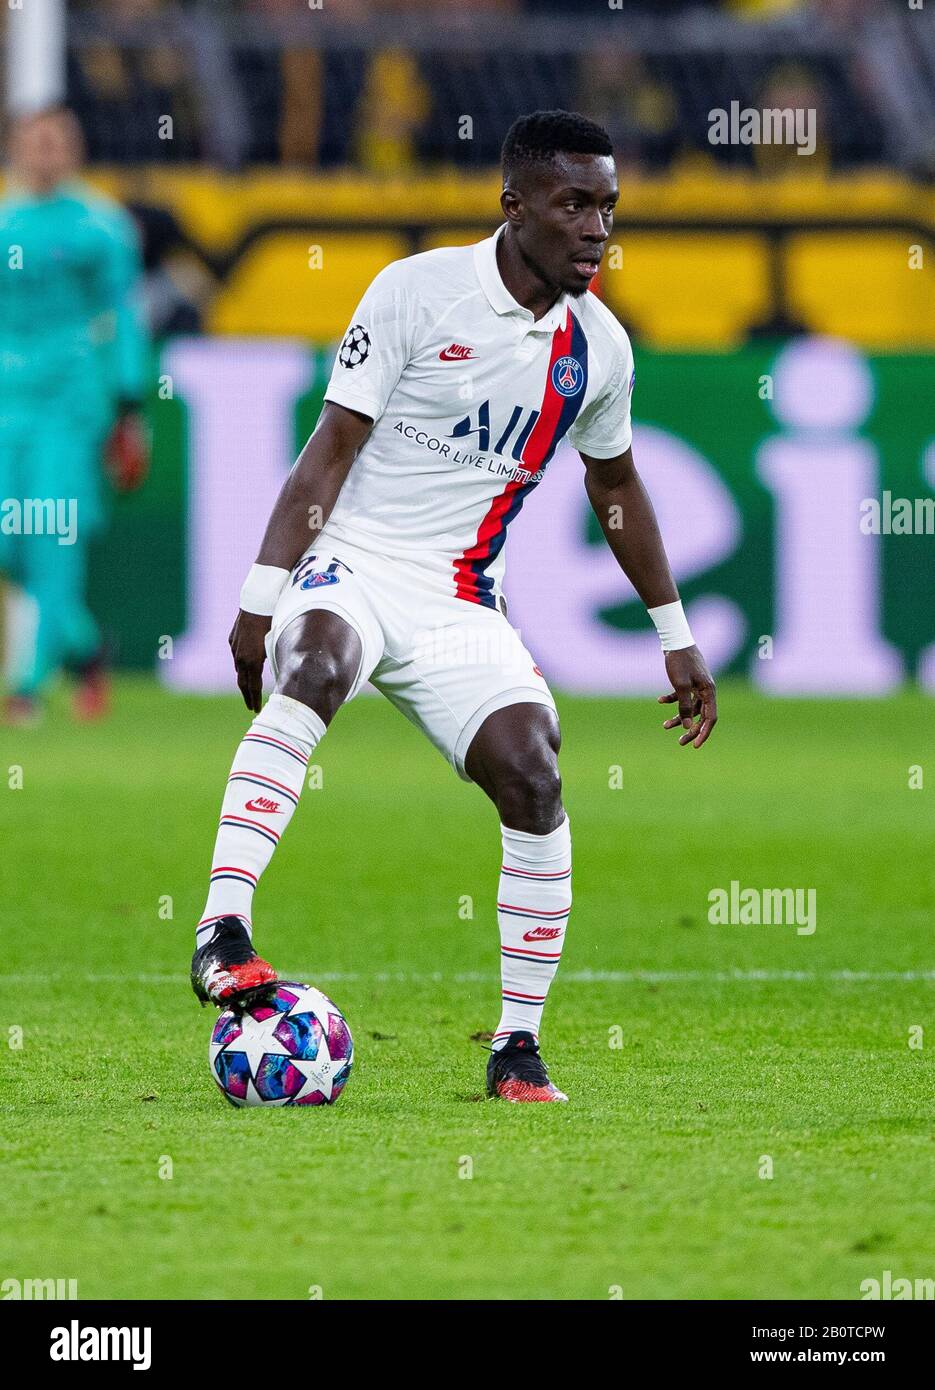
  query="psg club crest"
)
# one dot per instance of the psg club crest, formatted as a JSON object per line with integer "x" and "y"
{"x": 315, "y": 581}
{"x": 307, "y": 577}
{"x": 568, "y": 376}
{"x": 356, "y": 347}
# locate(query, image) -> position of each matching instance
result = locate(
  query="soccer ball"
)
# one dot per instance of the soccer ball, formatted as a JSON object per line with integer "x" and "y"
{"x": 293, "y": 1048}
{"x": 355, "y": 347}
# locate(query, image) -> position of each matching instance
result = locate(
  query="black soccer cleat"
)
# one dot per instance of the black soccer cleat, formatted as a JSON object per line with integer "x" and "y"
{"x": 517, "y": 1072}
{"x": 228, "y": 971}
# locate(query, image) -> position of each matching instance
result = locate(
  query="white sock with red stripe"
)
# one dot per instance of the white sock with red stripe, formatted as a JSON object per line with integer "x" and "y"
{"x": 533, "y": 904}
{"x": 263, "y": 790}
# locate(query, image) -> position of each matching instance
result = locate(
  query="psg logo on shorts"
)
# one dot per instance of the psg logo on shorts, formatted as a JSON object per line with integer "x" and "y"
{"x": 568, "y": 376}
{"x": 355, "y": 348}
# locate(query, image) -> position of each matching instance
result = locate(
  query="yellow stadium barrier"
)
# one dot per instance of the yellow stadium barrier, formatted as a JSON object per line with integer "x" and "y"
{"x": 689, "y": 290}
{"x": 861, "y": 286}
{"x": 301, "y": 284}
{"x": 708, "y": 255}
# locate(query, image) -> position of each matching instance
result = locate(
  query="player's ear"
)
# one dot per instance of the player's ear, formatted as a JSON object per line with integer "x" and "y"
{"x": 511, "y": 201}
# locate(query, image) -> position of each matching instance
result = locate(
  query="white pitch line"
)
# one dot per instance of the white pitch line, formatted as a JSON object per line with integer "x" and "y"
{"x": 580, "y": 977}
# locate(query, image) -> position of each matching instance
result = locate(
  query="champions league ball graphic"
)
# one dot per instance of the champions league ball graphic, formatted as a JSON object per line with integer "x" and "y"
{"x": 293, "y": 1048}
{"x": 355, "y": 348}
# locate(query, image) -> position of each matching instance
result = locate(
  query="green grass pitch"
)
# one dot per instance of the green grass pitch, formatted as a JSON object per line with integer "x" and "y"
{"x": 737, "y": 1044}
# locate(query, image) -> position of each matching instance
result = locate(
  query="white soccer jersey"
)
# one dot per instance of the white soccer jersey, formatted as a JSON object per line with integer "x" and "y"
{"x": 470, "y": 397}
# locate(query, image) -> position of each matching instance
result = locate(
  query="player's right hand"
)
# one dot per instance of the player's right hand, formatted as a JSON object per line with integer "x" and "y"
{"x": 248, "y": 648}
{"x": 694, "y": 693}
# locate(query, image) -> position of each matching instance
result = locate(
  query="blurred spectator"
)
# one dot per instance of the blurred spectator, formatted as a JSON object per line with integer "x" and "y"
{"x": 844, "y": 13}
{"x": 794, "y": 87}
{"x": 290, "y": 88}
{"x": 639, "y": 112}
{"x": 763, "y": 9}
{"x": 123, "y": 91}
{"x": 393, "y": 108}
{"x": 889, "y": 58}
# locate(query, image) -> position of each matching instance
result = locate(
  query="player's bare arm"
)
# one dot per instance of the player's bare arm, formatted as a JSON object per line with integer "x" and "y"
{"x": 622, "y": 506}
{"x": 308, "y": 494}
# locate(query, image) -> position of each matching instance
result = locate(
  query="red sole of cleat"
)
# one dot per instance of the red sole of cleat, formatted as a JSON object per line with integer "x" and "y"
{"x": 255, "y": 975}
{"x": 522, "y": 1091}
{"x": 255, "y": 972}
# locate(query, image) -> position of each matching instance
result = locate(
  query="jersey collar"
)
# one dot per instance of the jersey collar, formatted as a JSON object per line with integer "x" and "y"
{"x": 499, "y": 297}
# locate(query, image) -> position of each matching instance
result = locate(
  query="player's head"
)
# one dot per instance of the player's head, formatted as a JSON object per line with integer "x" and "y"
{"x": 559, "y": 194}
{"x": 46, "y": 148}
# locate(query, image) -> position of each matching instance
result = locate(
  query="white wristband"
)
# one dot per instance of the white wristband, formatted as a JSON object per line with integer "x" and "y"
{"x": 672, "y": 626}
{"x": 261, "y": 589}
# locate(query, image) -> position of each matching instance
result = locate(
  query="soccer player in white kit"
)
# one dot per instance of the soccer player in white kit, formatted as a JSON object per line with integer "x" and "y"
{"x": 461, "y": 372}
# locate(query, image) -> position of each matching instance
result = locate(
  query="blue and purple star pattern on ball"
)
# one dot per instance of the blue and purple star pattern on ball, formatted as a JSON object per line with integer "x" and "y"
{"x": 294, "y": 1048}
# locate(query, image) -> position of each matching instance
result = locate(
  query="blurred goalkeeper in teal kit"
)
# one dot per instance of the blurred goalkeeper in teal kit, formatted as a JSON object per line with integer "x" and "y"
{"x": 73, "y": 356}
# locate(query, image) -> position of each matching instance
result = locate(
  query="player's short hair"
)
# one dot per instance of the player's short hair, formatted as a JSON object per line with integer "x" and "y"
{"x": 533, "y": 140}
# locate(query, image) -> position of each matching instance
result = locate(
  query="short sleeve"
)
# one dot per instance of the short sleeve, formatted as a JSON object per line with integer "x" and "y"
{"x": 604, "y": 429}
{"x": 376, "y": 347}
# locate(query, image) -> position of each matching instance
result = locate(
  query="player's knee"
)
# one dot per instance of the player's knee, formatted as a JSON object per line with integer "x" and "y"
{"x": 321, "y": 680}
{"x": 529, "y": 797}
{"x": 317, "y": 658}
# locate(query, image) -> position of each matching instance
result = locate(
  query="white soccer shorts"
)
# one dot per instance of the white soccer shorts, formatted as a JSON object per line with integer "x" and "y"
{"x": 445, "y": 663}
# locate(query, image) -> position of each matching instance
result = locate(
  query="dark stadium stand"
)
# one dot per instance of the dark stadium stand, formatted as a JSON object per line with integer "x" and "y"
{"x": 276, "y": 83}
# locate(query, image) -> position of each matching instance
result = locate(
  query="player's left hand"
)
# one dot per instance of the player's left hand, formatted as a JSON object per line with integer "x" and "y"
{"x": 127, "y": 453}
{"x": 693, "y": 689}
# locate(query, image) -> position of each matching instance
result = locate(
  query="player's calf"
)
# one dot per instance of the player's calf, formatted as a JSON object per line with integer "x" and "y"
{"x": 514, "y": 759}
{"x": 266, "y": 779}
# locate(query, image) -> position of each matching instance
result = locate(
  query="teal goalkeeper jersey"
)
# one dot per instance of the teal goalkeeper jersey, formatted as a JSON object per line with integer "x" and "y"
{"x": 71, "y": 329}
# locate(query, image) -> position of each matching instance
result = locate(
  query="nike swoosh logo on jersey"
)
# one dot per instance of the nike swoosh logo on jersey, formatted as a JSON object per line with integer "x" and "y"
{"x": 456, "y": 353}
